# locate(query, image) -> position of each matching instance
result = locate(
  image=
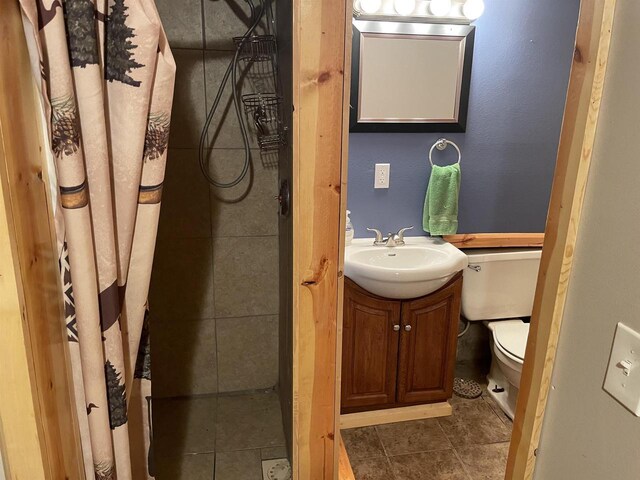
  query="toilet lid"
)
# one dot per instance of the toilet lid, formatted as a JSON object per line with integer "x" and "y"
{"x": 512, "y": 335}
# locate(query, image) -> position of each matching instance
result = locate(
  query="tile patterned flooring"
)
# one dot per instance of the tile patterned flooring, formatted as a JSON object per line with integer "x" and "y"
{"x": 233, "y": 434}
{"x": 471, "y": 444}
{"x": 230, "y": 434}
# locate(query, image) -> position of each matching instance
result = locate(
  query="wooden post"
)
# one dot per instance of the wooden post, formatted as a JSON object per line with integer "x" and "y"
{"x": 319, "y": 97}
{"x": 38, "y": 428}
{"x": 574, "y": 156}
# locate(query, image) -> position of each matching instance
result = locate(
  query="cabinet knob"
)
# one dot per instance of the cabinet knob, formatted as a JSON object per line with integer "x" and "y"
{"x": 396, "y": 328}
{"x": 407, "y": 328}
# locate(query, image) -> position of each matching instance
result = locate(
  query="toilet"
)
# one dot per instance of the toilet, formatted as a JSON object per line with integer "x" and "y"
{"x": 498, "y": 289}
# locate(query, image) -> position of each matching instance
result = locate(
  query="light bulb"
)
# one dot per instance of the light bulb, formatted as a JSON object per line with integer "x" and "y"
{"x": 404, "y": 7}
{"x": 440, "y": 8}
{"x": 370, "y": 6}
{"x": 472, "y": 9}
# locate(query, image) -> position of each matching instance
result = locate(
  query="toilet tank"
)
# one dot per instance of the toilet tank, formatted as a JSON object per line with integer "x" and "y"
{"x": 500, "y": 283}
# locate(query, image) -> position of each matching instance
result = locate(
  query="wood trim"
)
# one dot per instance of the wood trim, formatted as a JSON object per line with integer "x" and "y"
{"x": 39, "y": 426}
{"x": 319, "y": 36}
{"x": 489, "y": 240}
{"x": 393, "y": 415}
{"x": 346, "y": 88}
{"x": 574, "y": 156}
{"x": 345, "y": 472}
{"x": 20, "y": 439}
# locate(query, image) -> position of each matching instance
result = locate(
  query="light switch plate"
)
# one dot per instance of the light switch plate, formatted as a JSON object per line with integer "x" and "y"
{"x": 382, "y": 175}
{"x": 623, "y": 373}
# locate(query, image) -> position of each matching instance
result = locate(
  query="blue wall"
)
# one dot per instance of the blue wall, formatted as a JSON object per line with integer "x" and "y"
{"x": 521, "y": 65}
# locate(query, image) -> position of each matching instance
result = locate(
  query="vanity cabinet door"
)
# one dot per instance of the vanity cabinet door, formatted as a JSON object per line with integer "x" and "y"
{"x": 429, "y": 335}
{"x": 369, "y": 350}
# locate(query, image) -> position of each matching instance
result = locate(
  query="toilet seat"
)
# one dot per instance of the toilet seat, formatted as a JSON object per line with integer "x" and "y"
{"x": 510, "y": 336}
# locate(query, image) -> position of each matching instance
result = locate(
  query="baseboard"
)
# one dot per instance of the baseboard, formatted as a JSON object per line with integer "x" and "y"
{"x": 392, "y": 415}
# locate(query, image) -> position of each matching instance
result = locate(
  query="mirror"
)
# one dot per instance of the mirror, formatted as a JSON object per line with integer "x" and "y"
{"x": 410, "y": 77}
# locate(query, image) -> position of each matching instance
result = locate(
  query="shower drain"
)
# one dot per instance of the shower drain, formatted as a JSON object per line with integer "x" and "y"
{"x": 277, "y": 469}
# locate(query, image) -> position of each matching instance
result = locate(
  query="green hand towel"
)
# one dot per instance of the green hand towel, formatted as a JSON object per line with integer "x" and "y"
{"x": 440, "y": 215}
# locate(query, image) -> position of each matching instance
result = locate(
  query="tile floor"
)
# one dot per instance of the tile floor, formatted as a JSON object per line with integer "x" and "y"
{"x": 471, "y": 444}
{"x": 230, "y": 434}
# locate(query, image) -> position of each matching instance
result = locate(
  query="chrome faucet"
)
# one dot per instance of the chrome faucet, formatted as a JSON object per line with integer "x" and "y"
{"x": 392, "y": 239}
{"x": 379, "y": 240}
{"x": 400, "y": 235}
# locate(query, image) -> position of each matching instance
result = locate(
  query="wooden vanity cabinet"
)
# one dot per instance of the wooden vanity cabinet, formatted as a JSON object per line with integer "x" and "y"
{"x": 428, "y": 349}
{"x": 369, "y": 348}
{"x": 398, "y": 352}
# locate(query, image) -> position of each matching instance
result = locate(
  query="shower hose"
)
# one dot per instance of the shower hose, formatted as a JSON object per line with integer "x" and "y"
{"x": 231, "y": 72}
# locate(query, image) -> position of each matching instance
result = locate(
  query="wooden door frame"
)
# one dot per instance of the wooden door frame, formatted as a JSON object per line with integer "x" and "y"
{"x": 574, "y": 155}
{"x": 39, "y": 437}
{"x": 577, "y": 136}
{"x": 48, "y": 440}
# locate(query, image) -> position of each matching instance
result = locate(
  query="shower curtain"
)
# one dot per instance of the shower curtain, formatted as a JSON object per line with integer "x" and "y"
{"x": 106, "y": 76}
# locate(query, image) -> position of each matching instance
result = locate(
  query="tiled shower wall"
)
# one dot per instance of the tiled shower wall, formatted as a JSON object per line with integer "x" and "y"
{"x": 214, "y": 288}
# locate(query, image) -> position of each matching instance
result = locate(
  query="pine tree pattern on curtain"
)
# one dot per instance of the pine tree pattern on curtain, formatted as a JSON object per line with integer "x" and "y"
{"x": 107, "y": 77}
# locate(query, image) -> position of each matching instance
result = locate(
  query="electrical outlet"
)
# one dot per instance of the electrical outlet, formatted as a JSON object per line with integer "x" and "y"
{"x": 382, "y": 175}
{"x": 623, "y": 373}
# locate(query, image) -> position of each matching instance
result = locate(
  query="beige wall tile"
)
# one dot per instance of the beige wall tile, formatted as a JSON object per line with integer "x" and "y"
{"x": 184, "y": 358}
{"x": 183, "y": 426}
{"x": 273, "y": 453}
{"x": 249, "y": 421}
{"x": 182, "y": 279}
{"x": 249, "y": 209}
{"x": 225, "y": 130}
{"x": 246, "y": 269}
{"x": 246, "y": 279}
{"x": 188, "y": 113}
{"x": 247, "y": 353}
{"x": 182, "y": 22}
{"x": 185, "y": 210}
{"x": 185, "y": 467}
{"x": 224, "y": 20}
{"x": 241, "y": 465}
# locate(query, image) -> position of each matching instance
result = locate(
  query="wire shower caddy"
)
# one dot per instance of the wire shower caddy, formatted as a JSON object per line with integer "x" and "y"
{"x": 263, "y": 106}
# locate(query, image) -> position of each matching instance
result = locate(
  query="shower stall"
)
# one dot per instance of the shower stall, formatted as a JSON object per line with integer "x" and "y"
{"x": 219, "y": 319}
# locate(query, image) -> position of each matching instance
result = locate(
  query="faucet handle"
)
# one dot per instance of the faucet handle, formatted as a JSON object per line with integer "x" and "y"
{"x": 400, "y": 235}
{"x": 378, "y": 233}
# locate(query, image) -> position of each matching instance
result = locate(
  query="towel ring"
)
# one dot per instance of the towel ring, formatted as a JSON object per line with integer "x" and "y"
{"x": 441, "y": 144}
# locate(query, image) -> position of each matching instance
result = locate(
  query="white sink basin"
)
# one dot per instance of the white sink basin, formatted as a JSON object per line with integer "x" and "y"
{"x": 419, "y": 267}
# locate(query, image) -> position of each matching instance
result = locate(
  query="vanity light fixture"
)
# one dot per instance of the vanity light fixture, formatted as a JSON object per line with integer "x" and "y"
{"x": 440, "y": 8}
{"x": 472, "y": 9}
{"x": 460, "y": 12}
{"x": 404, "y": 7}
{"x": 370, "y": 6}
